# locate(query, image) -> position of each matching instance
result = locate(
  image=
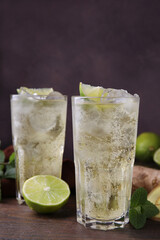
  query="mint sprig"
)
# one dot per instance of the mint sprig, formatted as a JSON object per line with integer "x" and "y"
{"x": 7, "y": 169}
{"x": 10, "y": 167}
{"x": 141, "y": 209}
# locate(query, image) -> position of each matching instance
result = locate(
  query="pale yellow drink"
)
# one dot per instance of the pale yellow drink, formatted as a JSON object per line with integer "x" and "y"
{"x": 104, "y": 132}
{"x": 38, "y": 129}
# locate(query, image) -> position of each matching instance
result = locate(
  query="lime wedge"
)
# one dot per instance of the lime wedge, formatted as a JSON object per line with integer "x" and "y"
{"x": 45, "y": 193}
{"x": 91, "y": 91}
{"x": 98, "y": 94}
{"x": 35, "y": 91}
{"x": 156, "y": 157}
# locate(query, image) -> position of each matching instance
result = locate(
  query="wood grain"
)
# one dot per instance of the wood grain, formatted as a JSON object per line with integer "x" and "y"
{"x": 18, "y": 222}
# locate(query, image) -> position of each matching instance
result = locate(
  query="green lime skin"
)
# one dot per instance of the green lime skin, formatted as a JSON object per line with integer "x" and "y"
{"x": 80, "y": 90}
{"x": 147, "y": 143}
{"x": 39, "y": 208}
{"x": 156, "y": 157}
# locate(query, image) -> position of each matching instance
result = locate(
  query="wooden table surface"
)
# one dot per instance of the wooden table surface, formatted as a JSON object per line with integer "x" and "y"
{"x": 19, "y": 222}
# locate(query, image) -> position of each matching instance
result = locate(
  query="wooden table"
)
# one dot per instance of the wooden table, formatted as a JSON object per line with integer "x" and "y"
{"x": 19, "y": 222}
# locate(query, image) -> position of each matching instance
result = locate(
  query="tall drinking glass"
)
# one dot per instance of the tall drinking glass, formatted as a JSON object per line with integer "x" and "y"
{"x": 38, "y": 130}
{"x": 104, "y": 133}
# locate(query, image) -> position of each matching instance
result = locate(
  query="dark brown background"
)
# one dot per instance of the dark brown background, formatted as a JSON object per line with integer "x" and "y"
{"x": 58, "y": 43}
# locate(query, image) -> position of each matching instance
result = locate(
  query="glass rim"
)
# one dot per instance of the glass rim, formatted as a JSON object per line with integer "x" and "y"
{"x": 39, "y": 97}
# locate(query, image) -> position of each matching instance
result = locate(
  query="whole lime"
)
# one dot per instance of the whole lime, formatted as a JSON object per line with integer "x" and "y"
{"x": 147, "y": 144}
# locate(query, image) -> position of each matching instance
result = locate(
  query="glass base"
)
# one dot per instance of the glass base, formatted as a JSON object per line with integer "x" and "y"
{"x": 102, "y": 224}
{"x": 19, "y": 198}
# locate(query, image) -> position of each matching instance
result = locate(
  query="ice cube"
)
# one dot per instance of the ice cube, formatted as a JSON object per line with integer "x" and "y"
{"x": 55, "y": 95}
{"x": 43, "y": 120}
{"x": 118, "y": 96}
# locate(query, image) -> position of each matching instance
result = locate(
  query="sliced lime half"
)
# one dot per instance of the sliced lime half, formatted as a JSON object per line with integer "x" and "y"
{"x": 45, "y": 193}
{"x": 156, "y": 157}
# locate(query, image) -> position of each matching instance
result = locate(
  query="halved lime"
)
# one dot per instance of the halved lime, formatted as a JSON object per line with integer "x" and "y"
{"x": 91, "y": 91}
{"x": 45, "y": 193}
{"x": 156, "y": 157}
{"x": 35, "y": 91}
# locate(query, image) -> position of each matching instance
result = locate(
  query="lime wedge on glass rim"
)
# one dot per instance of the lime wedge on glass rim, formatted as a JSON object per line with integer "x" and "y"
{"x": 98, "y": 95}
{"x": 156, "y": 157}
{"x": 91, "y": 91}
{"x": 45, "y": 193}
{"x": 35, "y": 91}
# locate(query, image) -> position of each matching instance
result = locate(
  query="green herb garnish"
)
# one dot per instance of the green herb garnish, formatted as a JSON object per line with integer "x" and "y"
{"x": 7, "y": 169}
{"x": 141, "y": 209}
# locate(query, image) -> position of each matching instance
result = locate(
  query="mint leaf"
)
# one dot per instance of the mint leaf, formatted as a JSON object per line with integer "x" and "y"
{"x": 0, "y": 192}
{"x": 139, "y": 197}
{"x": 10, "y": 173}
{"x": 149, "y": 209}
{"x": 10, "y": 167}
{"x": 12, "y": 158}
{"x": 2, "y": 158}
{"x": 1, "y": 173}
{"x": 141, "y": 209}
{"x": 137, "y": 219}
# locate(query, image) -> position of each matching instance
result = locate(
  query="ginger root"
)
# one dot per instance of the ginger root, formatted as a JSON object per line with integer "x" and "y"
{"x": 145, "y": 177}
